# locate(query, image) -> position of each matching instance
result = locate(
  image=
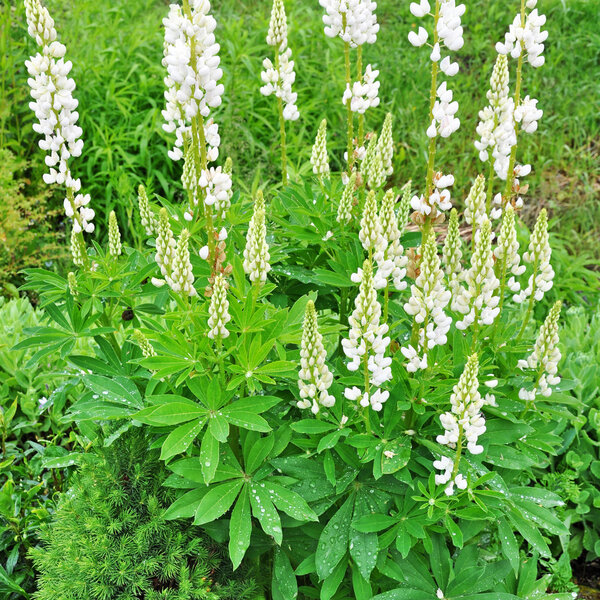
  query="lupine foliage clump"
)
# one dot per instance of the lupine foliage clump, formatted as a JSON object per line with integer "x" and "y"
{"x": 354, "y": 390}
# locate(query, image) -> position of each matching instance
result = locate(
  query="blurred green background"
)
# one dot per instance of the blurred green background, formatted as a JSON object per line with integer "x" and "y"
{"x": 116, "y": 48}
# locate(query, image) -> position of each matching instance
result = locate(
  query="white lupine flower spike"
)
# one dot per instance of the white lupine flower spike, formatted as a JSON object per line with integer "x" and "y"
{"x": 463, "y": 423}
{"x": 218, "y": 310}
{"x": 367, "y": 343}
{"x": 277, "y": 35}
{"x": 478, "y": 302}
{"x": 344, "y": 213}
{"x": 373, "y": 241}
{"x": 426, "y": 304}
{"x": 475, "y": 210}
{"x": 314, "y": 378}
{"x": 544, "y": 359}
{"x": 256, "y": 253}
{"x": 56, "y": 111}
{"x": 354, "y": 22}
{"x": 319, "y": 158}
{"x": 147, "y": 217}
{"x": 386, "y": 145}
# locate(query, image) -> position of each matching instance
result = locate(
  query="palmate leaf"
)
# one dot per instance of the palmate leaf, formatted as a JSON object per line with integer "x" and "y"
{"x": 333, "y": 541}
{"x": 240, "y": 528}
{"x": 180, "y": 439}
{"x": 217, "y": 501}
{"x": 169, "y": 410}
{"x": 285, "y": 586}
{"x": 264, "y": 510}
{"x": 209, "y": 457}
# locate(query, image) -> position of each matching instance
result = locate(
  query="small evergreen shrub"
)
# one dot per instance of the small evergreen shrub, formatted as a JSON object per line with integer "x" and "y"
{"x": 109, "y": 541}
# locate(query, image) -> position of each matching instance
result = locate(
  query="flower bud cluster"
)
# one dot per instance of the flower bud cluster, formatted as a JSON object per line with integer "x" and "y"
{"x": 319, "y": 158}
{"x": 507, "y": 250}
{"x": 354, "y": 21}
{"x": 278, "y": 79}
{"x": 545, "y": 357}
{"x": 114, "y": 235}
{"x": 475, "y": 203}
{"x": 314, "y": 378}
{"x": 526, "y": 36}
{"x": 218, "y": 310}
{"x": 538, "y": 255}
{"x": 366, "y": 343}
{"x": 464, "y": 421}
{"x": 427, "y": 302}
{"x": 192, "y": 62}
{"x": 145, "y": 346}
{"x": 528, "y": 114}
{"x": 386, "y": 145}
{"x": 452, "y": 255}
{"x": 363, "y": 94}
{"x": 371, "y": 236}
{"x": 344, "y": 213}
{"x": 147, "y": 217}
{"x": 394, "y": 253}
{"x": 478, "y": 301}
{"x": 277, "y": 35}
{"x": 256, "y": 253}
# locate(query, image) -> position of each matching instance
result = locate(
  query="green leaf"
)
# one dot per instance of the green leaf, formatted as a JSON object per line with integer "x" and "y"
{"x": 217, "y": 501}
{"x": 373, "y": 523}
{"x": 291, "y": 503}
{"x": 60, "y": 462}
{"x": 542, "y": 517}
{"x": 405, "y": 594}
{"x": 399, "y": 454}
{"x": 118, "y": 389}
{"x": 180, "y": 439}
{"x": 258, "y": 453}
{"x": 529, "y": 532}
{"x": 247, "y": 420}
{"x": 363, "y": 546}
{"x": 285, "y": 586}
{"x": 312, "y": 426}
{"x": 264, "y": 511}
{"x": 510, "y": 547}
{"x": 240, "y": 528}
{"x": 360, "y": 585}
{"x": 538, "y": 495}
{"x": 187, "y": 505}
{"x": 209, "y": 457}
{"x": 333, "y": 581}
{"x": 171, "y": 413}
{"x": 218, "y": 428}
{"x": 257, "y": 404}
{"x": 455, "y": 532}
{"x": 7, "y": 583}
{"x": 333, "y": 541}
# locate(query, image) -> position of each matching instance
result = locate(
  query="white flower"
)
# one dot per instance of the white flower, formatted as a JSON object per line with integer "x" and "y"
{"x": 218, "y": 310}
{"x": 449, "y": 26}
{"x": 427, "y": 302}
{"x": 319, "y": 158}
{"x": 354, "y": 21}
{"x": 538, "y": 255}
{"x": 256, "y": 253}
{"x": 363, "y": 95}
{"x": 507, "y": 251}
{"x": 528, "y": 114}
{"x": 314, "y": 378}
{"x": 278, "y": 80}
{"x": 464, "y": 421}
{"x": 418, "y": 39}
{"x": 544, "y": 358}
{"x": 444, "y": 121}
{"x": 192, "y": 62}
{"x": 478, "y": 301}
{"x": 373, "y": 241}
{"x": 181, "y": 278}
{"x": 527, "y": 38}
{"x": 420, "y": 9}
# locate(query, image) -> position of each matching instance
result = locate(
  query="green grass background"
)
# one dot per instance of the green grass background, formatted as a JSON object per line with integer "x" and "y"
{"x": 116, "y": 48}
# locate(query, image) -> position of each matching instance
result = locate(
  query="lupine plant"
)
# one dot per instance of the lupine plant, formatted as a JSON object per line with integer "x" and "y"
{"x": 350, "y": 390}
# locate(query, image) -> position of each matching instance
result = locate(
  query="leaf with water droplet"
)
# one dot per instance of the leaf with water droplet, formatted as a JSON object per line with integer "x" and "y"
{"x": 264, "y": 510}
{"x": 209, "y": 457}
{"x": 333, "y": 541}
{"x": 217, "y": 501}
{"x": 240, "y": 528}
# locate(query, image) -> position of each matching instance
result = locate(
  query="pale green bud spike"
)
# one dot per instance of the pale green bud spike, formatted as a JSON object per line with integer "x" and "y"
{"x": 277, "y": 34}
{"x": 319, "y": 158}
{"x": 372, "y": 150}
{"x": 146, "y": 215}
{"x": 114, "y": 235}
{"x": 78, "y": 250}
{"x": 452, "y": 251}
{"x": 344, "y": 214}
{"x": 72, "y": 281}
{"x": 218, "y": 311}
{"x": 143, "y": 343}
{"x": 386, "y": 145}
{"x": 475, "y": 202}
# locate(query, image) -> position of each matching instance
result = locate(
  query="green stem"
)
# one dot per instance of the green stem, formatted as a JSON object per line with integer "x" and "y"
{"x": 350, "y": 115}
{"x": 490, "y": 188}
{"x": 282, "y": 136}
{"x": 510, "y": 176}
{"x": 361, "y": 117}
{"x": 367, "y": 390}
{"x": 386, "y": 303}
{"x": 459, "y": 445}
